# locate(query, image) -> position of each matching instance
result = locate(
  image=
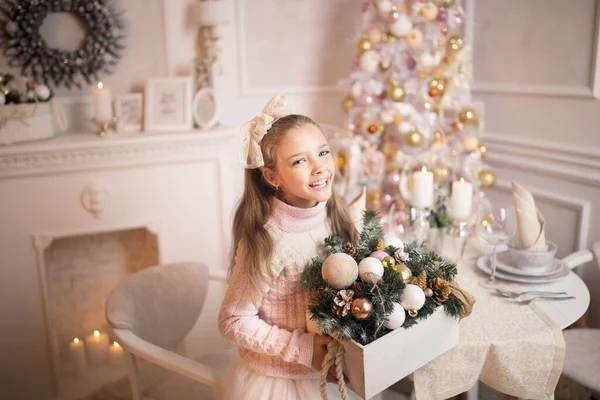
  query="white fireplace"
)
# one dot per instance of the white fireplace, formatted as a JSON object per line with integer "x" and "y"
{"x": 78, "y": 214}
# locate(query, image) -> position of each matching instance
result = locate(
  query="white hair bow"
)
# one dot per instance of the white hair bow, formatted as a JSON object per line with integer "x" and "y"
{"x": 253, "y": 131}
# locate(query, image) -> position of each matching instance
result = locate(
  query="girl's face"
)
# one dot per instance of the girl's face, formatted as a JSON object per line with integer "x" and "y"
{"x": 304, "y": 168}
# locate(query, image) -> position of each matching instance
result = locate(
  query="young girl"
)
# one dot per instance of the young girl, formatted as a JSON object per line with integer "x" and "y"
{"x": 288, "y": 207}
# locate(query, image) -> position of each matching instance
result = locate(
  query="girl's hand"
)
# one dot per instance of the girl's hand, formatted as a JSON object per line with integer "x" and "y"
{"x": 319, "y": 351}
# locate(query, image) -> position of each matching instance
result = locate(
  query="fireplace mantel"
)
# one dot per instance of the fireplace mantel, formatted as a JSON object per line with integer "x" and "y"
{"x": 179, "y": 185}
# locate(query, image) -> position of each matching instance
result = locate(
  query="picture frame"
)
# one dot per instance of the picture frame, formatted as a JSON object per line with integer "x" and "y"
{"x": 168, "y": 104}
{"x": 204, "y": 108}
{"x": 130, "y": 109}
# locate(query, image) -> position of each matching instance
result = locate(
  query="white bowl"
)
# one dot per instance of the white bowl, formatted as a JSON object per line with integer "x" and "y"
{"x": 532, "y": 259}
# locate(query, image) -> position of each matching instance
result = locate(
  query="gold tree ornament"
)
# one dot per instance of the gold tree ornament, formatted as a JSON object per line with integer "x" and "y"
{"x": 437, "y": 87}
{"x": 361, "y": 308}
{"x": 403, "y": 271}
{"x": 364, "y": 44}
{"x": 341, "y": 161}
{"x": 487, "y": 178}
{"x": 348, "y": 103}
{"x": 470, "y": 143}
{"x": 441, "y": 290}
{"x": 455, "y": 43}
{"x": 413, "y": 139}
{"x": 447, "y": 3}
{"x": 389, "y": 262}
{"x": 467, "y": 116}
{"x": 380, "y": 246}
{"x": 482, "y": 151}
{"x": 396, "y": 92}
{"x": 440, "y": 173}
{"x": 421, "y": 280}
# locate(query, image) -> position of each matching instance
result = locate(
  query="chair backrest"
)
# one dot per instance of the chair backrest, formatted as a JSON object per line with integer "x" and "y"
{"x": 159, "y": 304}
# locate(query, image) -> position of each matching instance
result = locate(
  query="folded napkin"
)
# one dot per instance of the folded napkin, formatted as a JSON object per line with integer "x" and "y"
{"x": 530, "y": 222}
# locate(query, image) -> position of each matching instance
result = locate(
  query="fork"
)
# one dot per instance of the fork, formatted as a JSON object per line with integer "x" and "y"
{"x": 512, "y": 295}
{"x": 527, "y": 301}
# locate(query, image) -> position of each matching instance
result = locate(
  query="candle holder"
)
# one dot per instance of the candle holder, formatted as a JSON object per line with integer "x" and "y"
{"x": 420, "y": 223}
{"x": 459, "y": 232}
{"x": 111, "y": 126}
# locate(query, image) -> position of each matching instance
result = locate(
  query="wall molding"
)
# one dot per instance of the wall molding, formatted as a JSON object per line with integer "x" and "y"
{"x": 82, "y": 152}
{"x": 248, "y": 90}
{"x": 581, "y": 206}
{"x": 552, "y": 159}
{"x": 592, "y": 90}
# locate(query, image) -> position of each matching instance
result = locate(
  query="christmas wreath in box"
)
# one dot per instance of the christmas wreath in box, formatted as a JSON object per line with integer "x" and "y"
{"x": 364, "y": 290}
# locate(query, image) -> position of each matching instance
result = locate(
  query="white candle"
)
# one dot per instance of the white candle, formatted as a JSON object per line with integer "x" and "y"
{"x": 422, "y": 196}
{"x": 115, "y": 353}
{"x": 462, "y": 199}
{"x": 77, "y": 353}
{"x": 102, "y": 103}
{"x": 96, "y": 346}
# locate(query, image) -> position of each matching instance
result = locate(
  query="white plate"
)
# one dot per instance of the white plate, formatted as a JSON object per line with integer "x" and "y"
{"x": 505, "y": 264}
{"x": 483, "y": 263}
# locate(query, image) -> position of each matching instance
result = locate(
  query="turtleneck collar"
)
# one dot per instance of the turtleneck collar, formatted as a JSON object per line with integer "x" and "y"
{"x": 294, "y": 219}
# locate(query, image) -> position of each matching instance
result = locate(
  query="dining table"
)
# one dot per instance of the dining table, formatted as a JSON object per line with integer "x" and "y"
{"x": 514, "y": 348}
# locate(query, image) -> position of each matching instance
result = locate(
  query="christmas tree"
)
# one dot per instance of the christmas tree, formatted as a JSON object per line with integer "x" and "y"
{"x": 409, "y": 106}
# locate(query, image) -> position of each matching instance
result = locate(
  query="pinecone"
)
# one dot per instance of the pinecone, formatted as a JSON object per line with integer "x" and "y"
{"x": 351, "y": 250}
{"x": 343, "y": 302}
{"x": 380, "y": 246}
{"x": 421, "y": 280}
{"x": 441, "y": 290}
{"x": 360, "y": 288}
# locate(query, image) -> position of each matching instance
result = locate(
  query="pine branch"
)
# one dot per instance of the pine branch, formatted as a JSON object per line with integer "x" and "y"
{"x": 334, "y": 244}
{"x": 371, "y": 231}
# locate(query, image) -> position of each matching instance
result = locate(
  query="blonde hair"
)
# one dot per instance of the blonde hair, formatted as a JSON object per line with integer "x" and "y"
{"x": 254, "y": 209}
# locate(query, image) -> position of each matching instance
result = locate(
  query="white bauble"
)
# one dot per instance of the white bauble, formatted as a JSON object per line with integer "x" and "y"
{"x": 384, "y": 6}
{"x": 386, "y": 116}
{"x": 43, "y": 92}
{"x": 370, "y": 270}
{"x": 356, "y": 89}
{"x": 311, "y": 325}
{"x": 412, "y": 299}
{"x": 397, "y": 317}
{"x": 369, "y": 61}
{"x": 390, "y": 239}
{"x": 404, "y": 127}
{"x": 402, "y": 26}
{"x": 339, "y": 270}
{"x": 374, "y": 86}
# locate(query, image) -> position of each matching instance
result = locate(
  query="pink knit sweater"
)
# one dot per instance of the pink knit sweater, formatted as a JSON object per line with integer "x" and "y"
{"x": 271, "y": 335}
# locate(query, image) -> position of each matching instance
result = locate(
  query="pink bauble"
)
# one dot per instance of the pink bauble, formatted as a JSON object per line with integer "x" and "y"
{"x": 442, "y": 16}
{"x": 355, "y": 62}
{"x": 364, "y": 100}
{"x": 386, "y": 200}
{"x": 378, "y": 254}
{"x": 392, "y": 182}
{"x": 364, "y": 6}
{"x": 350, "y": 126}
{"x": 411, "y": 63}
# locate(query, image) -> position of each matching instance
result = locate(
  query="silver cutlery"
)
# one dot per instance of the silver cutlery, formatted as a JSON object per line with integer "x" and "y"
{"x": 540, "y": 298}
{"x": 512, "y": 295}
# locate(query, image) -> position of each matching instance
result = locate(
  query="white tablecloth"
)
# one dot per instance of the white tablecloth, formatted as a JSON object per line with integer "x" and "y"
{"x": 515, "y": 349}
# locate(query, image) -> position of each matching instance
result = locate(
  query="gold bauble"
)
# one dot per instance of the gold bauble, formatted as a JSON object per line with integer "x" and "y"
{"x": 487, "y": 178}
{"x": 470, "y": 143}
{"x": 401, "y": 8}
{"x": 397, "y": 119}
{"x": 403, "y": 271}
{"x": 428, "y": 292}
{"x": 341, "y": 161}
{"x": 389, "y": 262}
{"x": 373, "y": 198}
{"x": 375, "y": 34}
{"x": 413, "y": 139}
{"x": 396, "y": 93}
{"x": 455, "y": 43}
{"x": 438, "y": 141}
{"x": 364, "y": 44}
{"x": 447, "y": 59}
{"x": 437, "y": 87}
{"x": 421, "y": 75}
{"x": 438, "y": 73}
{"x": 414, "y": 38}
{"x": 457, "y": 126}
{"x": 483, "y": 151}
{"x": 440, "y": 173}
{"x": 361, "y": 308}
{"x": 372, "y": 128}
{"x": 429, "y": 11}
{"x": 468, "y": 115}
{"x": 447, "y": 3}
{"x": 348, "y": 103}
{"x": 433, "y": 92}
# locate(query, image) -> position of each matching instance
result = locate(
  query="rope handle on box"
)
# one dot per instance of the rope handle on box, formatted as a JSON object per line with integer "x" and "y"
{"x": 335, "y": 354}
{"x": 22, "y": 117}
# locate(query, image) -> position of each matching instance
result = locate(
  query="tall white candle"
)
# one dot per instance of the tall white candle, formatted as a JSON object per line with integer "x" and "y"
{"x": 77, "y": 354}
{"x": 96, "y": 346}
{"x": 462, "y": 199}
{"x": 422, "y": 196}
{"x": 102, "y": 103}
{"x": 115, "y": 353}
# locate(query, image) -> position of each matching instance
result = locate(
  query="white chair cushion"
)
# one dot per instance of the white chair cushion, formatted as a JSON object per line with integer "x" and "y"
{"x": 582, "y": 360}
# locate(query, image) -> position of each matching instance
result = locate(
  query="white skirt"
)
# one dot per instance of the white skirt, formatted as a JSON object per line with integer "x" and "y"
{"x": 246, "y": 384}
